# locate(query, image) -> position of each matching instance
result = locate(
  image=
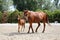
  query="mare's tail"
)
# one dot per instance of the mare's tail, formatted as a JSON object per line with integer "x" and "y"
{"x": 47, "y": 21}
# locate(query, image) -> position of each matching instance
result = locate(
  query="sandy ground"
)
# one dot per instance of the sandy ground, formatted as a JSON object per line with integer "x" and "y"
{"x": 9, "y": 32}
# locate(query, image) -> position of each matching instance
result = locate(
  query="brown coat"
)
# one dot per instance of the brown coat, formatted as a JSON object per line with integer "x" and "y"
{"x": 36, "y": 17}
{"x": 21, "y": 23}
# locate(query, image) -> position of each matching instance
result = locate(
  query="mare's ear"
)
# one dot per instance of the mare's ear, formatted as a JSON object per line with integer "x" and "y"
{"x": 25, "y": 11}
{"x": 29, "y": 13}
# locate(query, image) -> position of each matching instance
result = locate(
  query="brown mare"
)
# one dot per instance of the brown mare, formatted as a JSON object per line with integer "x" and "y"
{"x": 21, "y": 24}
{"x": 36, "y": 17}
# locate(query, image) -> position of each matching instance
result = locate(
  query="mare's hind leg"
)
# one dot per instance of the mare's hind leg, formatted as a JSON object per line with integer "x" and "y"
{"x": 37, "y": 27}
{"x": 44, "y": 27}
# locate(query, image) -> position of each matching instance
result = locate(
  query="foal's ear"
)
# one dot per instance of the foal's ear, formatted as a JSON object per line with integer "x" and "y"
{"x": 18, "y": 16}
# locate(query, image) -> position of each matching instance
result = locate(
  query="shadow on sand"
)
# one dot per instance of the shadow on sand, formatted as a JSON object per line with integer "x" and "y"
{"x": 16, "y": 33}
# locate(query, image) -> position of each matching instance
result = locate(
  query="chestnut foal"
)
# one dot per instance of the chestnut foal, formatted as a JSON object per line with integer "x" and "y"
{"x": 21, "y": 24}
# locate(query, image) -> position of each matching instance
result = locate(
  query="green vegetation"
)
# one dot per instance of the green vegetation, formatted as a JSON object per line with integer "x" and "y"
{"x": 0, "y": 16}
{"x": 53, "y": 16}
{"x": 12, "y": 17}
{"x": 51, "y": 7}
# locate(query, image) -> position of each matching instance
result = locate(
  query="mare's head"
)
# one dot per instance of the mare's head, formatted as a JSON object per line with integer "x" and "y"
{"x": 26, "y": 14}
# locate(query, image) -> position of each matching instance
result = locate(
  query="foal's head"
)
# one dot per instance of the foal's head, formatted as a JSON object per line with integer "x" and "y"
{"x": 18, "y": 17}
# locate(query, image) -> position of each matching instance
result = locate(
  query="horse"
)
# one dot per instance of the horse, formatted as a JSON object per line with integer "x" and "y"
{"x": 36, "y": 17}
{"x": 21, "y": 24}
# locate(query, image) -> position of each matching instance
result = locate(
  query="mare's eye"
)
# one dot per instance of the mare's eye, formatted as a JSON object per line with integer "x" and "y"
{"x": 25, "y": 14}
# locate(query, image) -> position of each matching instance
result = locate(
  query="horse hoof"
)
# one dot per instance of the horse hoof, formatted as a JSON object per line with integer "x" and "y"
{"x": 42, "y": 32}
{"x": 35, "y": 31}
{"x": 32, "y": 32}
{"x": 18, "y": 31}
{"x": 27, "y": 32}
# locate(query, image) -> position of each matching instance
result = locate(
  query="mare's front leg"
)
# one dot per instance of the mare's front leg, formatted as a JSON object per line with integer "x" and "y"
{"x": 31, "y": 28}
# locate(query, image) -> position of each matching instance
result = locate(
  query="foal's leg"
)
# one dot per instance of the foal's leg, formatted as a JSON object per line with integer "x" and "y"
{"x": 23, "y": 27}
{"x": 18, "y": 28}
{"x": 44, "y": 27}
{"x": 37, "y": 27}
{"x": 31, "y": 28}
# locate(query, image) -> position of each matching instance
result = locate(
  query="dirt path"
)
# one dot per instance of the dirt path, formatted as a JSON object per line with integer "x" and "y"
{"x": 9, "y": 32}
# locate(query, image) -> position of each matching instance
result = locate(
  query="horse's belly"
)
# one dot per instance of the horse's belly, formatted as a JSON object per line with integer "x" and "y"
{"x": 37, "y": 20}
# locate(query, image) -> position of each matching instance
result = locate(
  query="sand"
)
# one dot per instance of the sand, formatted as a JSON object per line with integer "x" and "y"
{"x": 9, "y": 32}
